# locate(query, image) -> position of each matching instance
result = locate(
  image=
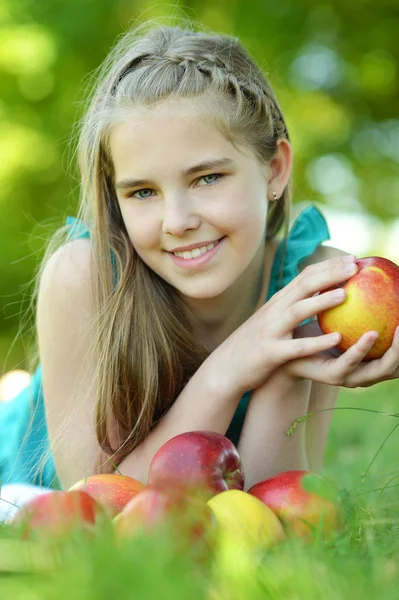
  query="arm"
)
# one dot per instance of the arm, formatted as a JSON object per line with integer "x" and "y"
{"x": 202, "y": 405}
{"x": 321, "y": 395}
{"x": 318, "y": 426}
{"x": 289, "y": 402}
{"x": 64, "y": 317}
{"x": 264, "y": 447}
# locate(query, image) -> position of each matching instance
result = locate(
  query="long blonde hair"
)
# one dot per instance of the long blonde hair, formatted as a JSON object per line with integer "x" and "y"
{"x": 144, "y": 334}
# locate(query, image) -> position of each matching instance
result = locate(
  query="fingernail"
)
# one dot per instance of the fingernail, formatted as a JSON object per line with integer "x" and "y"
{"x": 338, "y": 294}
{"x": 350, "y": 269}
{"x": 349, "y": 259}
{"x": 335, "y": 337}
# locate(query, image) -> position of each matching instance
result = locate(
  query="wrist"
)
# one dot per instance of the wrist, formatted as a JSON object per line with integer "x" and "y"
{"x": 282, "y": 378}
{"x": 220, "y": 380}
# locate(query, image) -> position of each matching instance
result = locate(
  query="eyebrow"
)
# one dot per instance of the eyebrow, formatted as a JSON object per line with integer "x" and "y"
{"x": 204, "y": 166}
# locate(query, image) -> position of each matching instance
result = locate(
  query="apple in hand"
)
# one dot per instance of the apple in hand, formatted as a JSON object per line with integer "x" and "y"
{"x": 57, "y": 513}
{"x": 371, "y": 304}
{"x": 298, "y": 509}
{"x": 201, "y": 462}
{"x": 112, "y": 490}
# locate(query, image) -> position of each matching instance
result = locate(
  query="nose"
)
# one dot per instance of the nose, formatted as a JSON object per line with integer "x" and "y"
{"x": 179, "y": 215}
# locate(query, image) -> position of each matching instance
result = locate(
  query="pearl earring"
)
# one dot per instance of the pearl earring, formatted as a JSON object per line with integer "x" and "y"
{"x": 274, "y": 196}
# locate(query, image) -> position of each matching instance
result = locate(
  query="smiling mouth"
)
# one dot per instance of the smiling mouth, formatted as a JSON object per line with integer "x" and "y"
{"x": 212, "y": 244}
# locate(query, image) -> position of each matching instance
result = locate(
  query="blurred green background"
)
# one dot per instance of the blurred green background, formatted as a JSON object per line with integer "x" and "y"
{"x": 333, "y": 65}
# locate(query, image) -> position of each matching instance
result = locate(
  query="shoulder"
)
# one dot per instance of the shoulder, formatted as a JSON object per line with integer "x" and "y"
{"x": 69, "y": 266}
{"x": 65, "y": 291}
{"x": 321, "y": 253}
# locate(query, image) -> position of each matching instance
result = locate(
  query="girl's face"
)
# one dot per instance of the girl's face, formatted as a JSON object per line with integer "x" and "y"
{"x": 174, "y": 205}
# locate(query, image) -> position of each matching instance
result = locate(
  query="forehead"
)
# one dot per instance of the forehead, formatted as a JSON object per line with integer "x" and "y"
{"x": 175, "y": 118}
{"x": 173, "y": 132}
{"x": 189, "y": 107}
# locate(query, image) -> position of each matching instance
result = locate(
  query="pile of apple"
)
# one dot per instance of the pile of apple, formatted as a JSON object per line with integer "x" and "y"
{"x": 196, "y": 483}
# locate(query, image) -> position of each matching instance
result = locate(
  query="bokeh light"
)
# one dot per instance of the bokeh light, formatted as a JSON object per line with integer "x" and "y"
{"x": 12, "y": 383}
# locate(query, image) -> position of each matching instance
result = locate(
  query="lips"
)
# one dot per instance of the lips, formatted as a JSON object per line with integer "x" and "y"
{"x": 192, "y": 249}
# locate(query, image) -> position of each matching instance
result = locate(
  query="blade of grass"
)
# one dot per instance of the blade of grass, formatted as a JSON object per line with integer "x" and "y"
{"x": 114, "y": 465}
{"x": 306, "y": 417}
{"x": 375, "y": 456}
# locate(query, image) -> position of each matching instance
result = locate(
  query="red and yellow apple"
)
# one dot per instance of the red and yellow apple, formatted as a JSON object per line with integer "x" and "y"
{"x": 58, "y": 513}
{"x": 298, "y": 509}
{"x": 371, "y": 304}
{"x": 200, "y": 462}
{"x": 112, "y": 490}
{"x": 189, "y": 518}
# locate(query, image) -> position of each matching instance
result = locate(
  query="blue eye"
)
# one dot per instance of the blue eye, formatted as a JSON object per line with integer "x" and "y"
{"x": 133, "y": 194}
{"x": 213, "y": 175}
{"x": 143, "y": 190}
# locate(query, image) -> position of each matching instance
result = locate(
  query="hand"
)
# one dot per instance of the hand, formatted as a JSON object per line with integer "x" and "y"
{"x": 346, "y": 369}
{"x": 266, "y": 340}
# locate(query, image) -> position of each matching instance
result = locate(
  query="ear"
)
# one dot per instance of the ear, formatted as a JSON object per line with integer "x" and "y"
{"x": 280, "y": 167}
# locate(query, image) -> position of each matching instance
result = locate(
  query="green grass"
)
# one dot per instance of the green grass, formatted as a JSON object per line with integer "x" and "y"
{"x": 359, "y": 563}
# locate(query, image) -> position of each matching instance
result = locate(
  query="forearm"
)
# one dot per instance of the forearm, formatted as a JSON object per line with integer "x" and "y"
{"x": 318, "y": 426}
{"x": 264, "y": 447}
{"x": 205, "y": 403}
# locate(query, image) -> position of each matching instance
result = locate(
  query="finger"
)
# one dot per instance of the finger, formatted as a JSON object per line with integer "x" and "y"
{"x": 389, "y": 362}
{"x": 298, "y": 348}
{"x": 334, "y": 371}
{"x": 305, "y": 309}
{"x": 381, "y": 369}
{"x": 308, "y": 367}
{"x": 351, "y": 359}
{"x": 311, "y": 329}
{"x": 318, "y": 277}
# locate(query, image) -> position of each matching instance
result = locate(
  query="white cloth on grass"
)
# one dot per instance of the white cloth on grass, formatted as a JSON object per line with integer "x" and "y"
{"x": 14, "y": 495}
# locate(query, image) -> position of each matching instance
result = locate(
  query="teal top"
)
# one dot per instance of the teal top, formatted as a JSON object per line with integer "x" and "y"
{"x": 19, "y": 457}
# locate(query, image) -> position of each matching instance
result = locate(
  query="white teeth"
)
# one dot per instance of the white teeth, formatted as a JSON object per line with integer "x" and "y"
{"x": 197, "y": 251}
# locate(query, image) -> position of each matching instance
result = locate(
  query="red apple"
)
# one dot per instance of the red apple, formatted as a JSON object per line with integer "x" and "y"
{"x": 297, "y": 508}
{"x": 189, "y": 518}
{"x": 57, "y": 513}
{"x": 145, "y": 511}
{"x": 201, "y": 462}
{"x": 111, "y": 490}
{"x": 371, "y": 304}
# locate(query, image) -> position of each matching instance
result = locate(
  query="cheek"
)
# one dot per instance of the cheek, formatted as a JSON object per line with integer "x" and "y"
{"x": 142, "y": 232}
{"x": 246, "y": 216}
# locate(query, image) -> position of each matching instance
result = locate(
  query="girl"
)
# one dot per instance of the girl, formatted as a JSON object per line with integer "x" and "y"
{"x": 170, "y": 303}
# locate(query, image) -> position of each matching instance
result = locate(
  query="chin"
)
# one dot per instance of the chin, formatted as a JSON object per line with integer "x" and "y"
{"x": 201, "y": 290}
